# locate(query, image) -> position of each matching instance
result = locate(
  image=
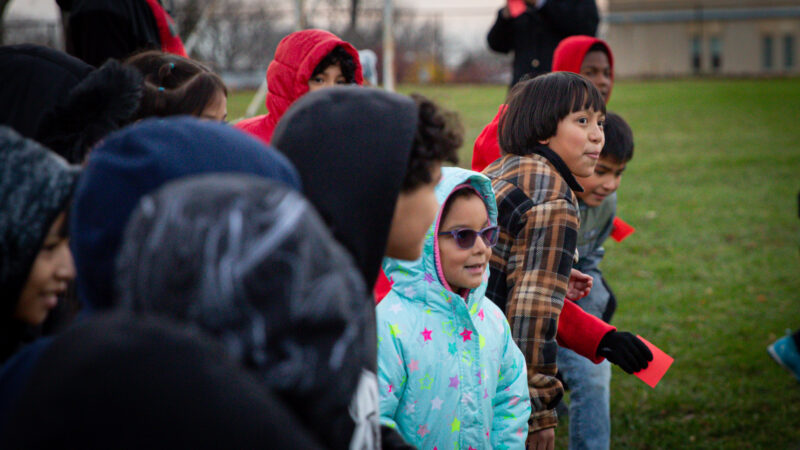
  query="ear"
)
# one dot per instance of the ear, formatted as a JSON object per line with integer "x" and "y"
{"x": 545, "y": 142}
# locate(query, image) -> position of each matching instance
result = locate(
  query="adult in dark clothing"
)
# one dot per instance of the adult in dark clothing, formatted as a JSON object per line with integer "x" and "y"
{"x": 534, "y": 34}
{"x": 133, "y": 382}
{"x": 138, "y": 160}
{"x": 35, "y": 263}
{"x": 62, "y": 102}
{"x": 258, "y": 270}
{"x": 101, "y": 29}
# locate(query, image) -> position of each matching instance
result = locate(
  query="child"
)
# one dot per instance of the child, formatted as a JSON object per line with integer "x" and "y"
{"x": 371, "y": 171}
{"x": 589, "y": 425}
{"x": 449, "y": 374}
{"x": 174, "y": 85}
{"x": 585, "y": 55}
{"x": 551, "y": 132}
{"x": 282, "y": 296}
{"x": 304, "y": 61}
{"x": 35, "y": 262}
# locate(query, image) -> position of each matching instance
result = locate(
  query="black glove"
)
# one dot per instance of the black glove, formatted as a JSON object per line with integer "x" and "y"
{"x": 625, "y": 350}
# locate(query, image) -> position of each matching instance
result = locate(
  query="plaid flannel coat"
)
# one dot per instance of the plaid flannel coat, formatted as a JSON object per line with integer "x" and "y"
{"x": 530, "y": 266}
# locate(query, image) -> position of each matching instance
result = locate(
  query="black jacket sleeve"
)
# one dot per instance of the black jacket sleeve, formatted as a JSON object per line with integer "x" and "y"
{"x": 501, "y": 35}
{"x": 572, "y": 17}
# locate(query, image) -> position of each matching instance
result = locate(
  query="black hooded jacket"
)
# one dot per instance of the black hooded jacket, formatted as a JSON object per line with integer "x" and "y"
{"x": 351, "y": 147}
{"x": 126, "y": 382}
{"x": 101, "y": 29}
{"x": 63, "y": 102}
{"x": 35, "y": 187}
{"x": 249, "y": 261}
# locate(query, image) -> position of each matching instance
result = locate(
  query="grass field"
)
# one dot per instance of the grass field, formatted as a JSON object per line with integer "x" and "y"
{"x": 712, "y": 274}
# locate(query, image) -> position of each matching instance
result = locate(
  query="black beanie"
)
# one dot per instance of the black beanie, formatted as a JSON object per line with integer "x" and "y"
{"x": 35, "y": 187}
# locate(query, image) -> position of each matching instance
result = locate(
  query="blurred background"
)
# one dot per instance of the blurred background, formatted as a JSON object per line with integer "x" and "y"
{"x": 711, "y": 89}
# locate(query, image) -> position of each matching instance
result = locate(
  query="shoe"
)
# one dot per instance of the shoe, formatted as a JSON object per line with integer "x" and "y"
{"x": 784, "y": 352}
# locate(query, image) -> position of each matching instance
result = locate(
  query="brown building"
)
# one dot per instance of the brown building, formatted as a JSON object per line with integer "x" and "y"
{"x": 686, "y": 37}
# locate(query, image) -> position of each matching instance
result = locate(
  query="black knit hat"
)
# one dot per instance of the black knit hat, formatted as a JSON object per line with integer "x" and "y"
{"x": 35, "y": 186}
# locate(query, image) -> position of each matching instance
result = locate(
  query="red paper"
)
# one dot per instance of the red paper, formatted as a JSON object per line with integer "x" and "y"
{"x": 516, "y": 7}
{"x": 621, "y": 230}
{"x": 657, "y": 367}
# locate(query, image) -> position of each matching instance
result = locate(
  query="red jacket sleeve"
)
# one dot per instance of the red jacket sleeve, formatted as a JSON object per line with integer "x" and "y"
{"x": 487, "y": 147}
{"x": 580, "y": 331}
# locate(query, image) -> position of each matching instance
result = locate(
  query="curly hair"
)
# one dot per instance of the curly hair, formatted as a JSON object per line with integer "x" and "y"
{"x": 345, "y": 61}
{"x": 438, "y": 137}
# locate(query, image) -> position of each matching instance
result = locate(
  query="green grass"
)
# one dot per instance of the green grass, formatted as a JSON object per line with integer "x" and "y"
{"x": 712, "y": 274}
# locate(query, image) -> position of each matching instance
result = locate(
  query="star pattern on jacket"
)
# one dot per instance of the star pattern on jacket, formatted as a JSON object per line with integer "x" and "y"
{"x": 426, "y": 334}
{"x": 436, "y": 403}
{"x": 453, "y": 382}
{"x": 455, "y": 425}
{"x": 423, "y": 430}
{"x": 466, "y": 334}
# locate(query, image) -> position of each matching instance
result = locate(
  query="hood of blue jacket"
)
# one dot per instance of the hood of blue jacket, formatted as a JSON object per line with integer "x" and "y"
{"x": 409, "y": 276}
{"x": 138, "y": 160}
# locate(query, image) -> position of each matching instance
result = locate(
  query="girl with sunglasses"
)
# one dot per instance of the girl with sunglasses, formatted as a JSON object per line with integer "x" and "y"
{"x": 449, "y": 373}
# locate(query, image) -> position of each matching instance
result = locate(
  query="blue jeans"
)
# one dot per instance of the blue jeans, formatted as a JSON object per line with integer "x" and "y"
{"x": 589, "y": 416}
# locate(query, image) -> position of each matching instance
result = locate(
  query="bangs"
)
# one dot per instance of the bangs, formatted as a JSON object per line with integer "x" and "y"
{"x": 585, "y": 96}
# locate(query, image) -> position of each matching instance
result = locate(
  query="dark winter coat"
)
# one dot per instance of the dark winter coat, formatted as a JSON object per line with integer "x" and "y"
{"x": 534, "y": 35}
{"x": 63, "y": 102}
{"x": 351, "y": 146}
{"x": 249, "y": 261}
{"x": 98, "y": 30}
{"x": 125, "y": 382}
{"x": 134, "y": 162}
{"x": 35, "y": 187}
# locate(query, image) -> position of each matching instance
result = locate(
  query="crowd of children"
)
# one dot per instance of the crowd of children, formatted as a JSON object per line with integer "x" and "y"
{"x": 226, "y": 280}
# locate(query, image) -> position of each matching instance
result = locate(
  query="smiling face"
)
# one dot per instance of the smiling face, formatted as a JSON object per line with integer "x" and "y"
{"x": 52, "y": 270}
{"x": 602, "y": 183}
{"x": 464, "y": 268}
{"x": 578, "y": 141}
{"x": 597, "y": 69}
{"x": 331, "y": 76}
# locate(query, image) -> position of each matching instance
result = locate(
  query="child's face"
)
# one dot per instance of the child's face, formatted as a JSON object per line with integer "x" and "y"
{"x": 578, "y": 141}
{"x": 602, "y": 183}
{"x": 217, "y": 108}
{"x": 413, "y": 215}
{"x": 329, "y": 77}
{"x": 464, "y": 268}
{"x": 597, "y": 69}
{"x": 51, "y": 271}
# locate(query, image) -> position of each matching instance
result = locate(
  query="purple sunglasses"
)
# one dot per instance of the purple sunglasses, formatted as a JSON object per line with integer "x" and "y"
{"x": 465, "y": 237}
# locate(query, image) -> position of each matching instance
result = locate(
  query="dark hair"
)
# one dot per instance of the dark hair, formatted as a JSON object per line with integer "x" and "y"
{"x": 619, "y": 139}
{"x": 597, "y": 47}
{"x": 174, "y": 85}
{"x": 536, "y": 106}
{"x": 438, "y": 137}
{"x": 463, "y": 192}
{"x": 345, "y": 61}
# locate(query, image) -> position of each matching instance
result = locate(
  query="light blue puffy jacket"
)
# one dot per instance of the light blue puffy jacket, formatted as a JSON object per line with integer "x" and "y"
{"x": 449, "y": 374}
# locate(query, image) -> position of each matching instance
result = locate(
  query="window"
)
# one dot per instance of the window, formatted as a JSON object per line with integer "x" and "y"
{"x": 788, "y": 51}
{"x": 715, "y": 45}
{"x": 696, "y": 53}
{"x": 766, "y": 52}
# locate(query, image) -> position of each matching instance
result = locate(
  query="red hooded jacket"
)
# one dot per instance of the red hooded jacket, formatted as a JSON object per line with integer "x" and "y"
{"x": 170, "y": 41}
{"x": 567, "y": 57}
{"x": 295, "y": 59}
{"x": 577, "y": 330}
